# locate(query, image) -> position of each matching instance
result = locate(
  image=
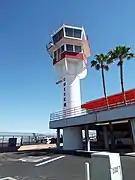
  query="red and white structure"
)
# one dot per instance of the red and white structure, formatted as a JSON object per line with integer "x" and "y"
{"x": 69, "y": 50}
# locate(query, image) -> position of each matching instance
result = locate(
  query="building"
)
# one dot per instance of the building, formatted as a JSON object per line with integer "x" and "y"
{"x": 69, "y": 50}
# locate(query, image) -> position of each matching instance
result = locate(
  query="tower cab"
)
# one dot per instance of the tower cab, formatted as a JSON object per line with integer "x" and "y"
{"x": 69, "y": 42}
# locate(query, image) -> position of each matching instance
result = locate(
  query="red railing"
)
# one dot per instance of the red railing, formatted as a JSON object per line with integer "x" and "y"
{"x": 113, "y": 100}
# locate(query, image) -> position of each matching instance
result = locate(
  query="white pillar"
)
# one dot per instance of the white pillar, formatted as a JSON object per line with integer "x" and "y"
{"x": 106, "y": 143}
{"x": 58, "y": 138}
{"x": 87, "y": 138}
{"x": 87, "y": 171}
{"x": 72, "y": 138}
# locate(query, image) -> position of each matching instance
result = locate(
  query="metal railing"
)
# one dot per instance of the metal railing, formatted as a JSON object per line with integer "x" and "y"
{"x": 78, "y": 111}
{"x": 5, "y": 141}
{"x": 18, "y": 140}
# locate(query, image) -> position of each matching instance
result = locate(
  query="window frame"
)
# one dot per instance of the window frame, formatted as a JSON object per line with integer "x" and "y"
{"x": 73, "y": 48}
{"x": 54, "y": 54}
{"x": 61, "y": 47}
{"x": 59, "y": 35}
{"x": 73, "y": 33}
{"x": 68, "y": 29}
{"x": 77, "y": 51}
{"x": 69, "y": 45}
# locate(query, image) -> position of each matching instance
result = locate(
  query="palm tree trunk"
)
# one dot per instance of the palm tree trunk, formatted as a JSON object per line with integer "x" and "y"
{"x": 104, "y": 86}
{"x": 122, "y": 82}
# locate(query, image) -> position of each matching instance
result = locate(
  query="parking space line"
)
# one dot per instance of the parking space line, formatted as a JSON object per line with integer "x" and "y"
{"x": 7, "y": 178}
{"x": 51, "y": 160}
{"x": 33, "y": 159}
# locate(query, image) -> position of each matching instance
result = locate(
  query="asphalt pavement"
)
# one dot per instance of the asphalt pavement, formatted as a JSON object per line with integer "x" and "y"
{"x": 41, "y": 166}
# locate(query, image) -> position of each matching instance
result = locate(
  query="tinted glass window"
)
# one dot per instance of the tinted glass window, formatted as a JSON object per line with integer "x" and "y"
{"x": 69, "y": 48}
{"x": 77, "y": 33}
{"x": 64, "y": 104}
{"x": 62, "y": 49}
{"x": 55, "y": 54}
{"x": 55, "y": 38}
{"x": 73, "y": 32}
{"x": 78, "y": 48}
{"x": 69, "y": 32}
{"x": 58, "y": 36}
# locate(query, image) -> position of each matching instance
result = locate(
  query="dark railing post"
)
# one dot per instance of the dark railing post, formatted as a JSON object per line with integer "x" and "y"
{"x": 74, "y": 111}
{"x": 21, "y": 143}
{"x": 29, "y": 139}
{"x": 2, "y": 140}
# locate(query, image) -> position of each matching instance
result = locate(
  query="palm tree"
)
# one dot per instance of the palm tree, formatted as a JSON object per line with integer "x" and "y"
{"x": 101, "y": 62}
{"x": 121, "y": 53}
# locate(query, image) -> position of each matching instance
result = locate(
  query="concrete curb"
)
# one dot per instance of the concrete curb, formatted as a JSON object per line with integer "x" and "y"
{"x": 37, "y": 152}
{"x": 82, "y": 153}
{"x": 58, "y": 151}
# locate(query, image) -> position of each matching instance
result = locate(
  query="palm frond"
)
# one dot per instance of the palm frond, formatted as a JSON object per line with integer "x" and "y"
{"x": 93, "y": 63}
{"x": 97, "y": 67}
{"x": 101, "y": 60}
{"x": 98, "y": 58}
{"x": 106, "y": 67}
{"x": 130, "y": 56}
{"x": 120, "y": 53}
{"x": 110, "y": 60}
{"x": 109, "y": 53}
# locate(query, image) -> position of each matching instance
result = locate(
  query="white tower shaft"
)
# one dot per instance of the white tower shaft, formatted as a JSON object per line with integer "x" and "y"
{"x": 72, "y": 92}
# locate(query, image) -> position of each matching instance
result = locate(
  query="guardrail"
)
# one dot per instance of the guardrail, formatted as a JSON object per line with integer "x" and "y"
{"x": 78, "y": 111}
{"x": 19, "y": 140}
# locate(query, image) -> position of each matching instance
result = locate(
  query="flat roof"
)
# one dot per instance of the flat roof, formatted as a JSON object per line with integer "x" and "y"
{"x": 68, "y": 26}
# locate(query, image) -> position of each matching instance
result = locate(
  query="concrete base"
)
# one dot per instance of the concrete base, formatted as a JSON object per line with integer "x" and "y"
{"x": 72, "y": 138}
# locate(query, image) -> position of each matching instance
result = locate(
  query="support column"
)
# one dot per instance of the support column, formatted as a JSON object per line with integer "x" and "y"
{"x": 105, "y": 138}
{"x": 58, "y": 138}
{"x": 87, "y": 138}
{"x": 72, "y": 138}
{"x": 133, "y": 133}
{"x": 112, "y": 137}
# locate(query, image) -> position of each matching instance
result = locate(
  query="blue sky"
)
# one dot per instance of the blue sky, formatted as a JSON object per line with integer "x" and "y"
{"x": 28, "y": 93}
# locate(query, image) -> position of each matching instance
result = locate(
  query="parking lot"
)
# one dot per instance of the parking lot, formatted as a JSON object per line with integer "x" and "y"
{"x": 41, "y": 166}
